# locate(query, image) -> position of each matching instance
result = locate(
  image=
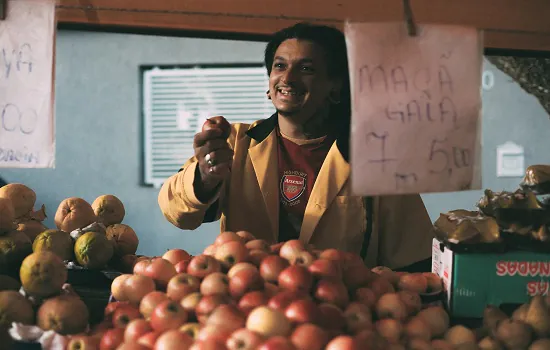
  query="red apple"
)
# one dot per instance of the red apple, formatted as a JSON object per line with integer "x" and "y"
{"x": 191, "y": 328}
{"x": 227, "y": 236}
{"x": 387, "y": 273}
{"x": 190, "y": 302}
{"x": 390, "y": 305}
{"x": 308, "y": 336}
{"x": 215, "y": 283}
{"x": 118, "y": 289}
{"x": 231, "y": 253}
{"x": 218, "y": 122}
{"x": 259, "y": 244}
{"x": 182, "y": 285}
{"x": 203, "y": 265}
{"x": 161, "y": 271}
{"x": 256, "y": 256}
{"x": 176, "y": 255}
{"x": 150, "y": 301}
{"x": 208, "y": 303}
{"x": 138, "y": 286}
{"x": 412, "y": 301}
{"x": 358, "y": 317}
{"x": 332, "y": 291}
{"x": 244, "y": 281}
{"x": 140, "y": 265}
{"x": 435, "y": 284}
{"x": 181, "y": 267}
{"x": 80, "y": 342}
{"x": 210, "y": 250}
{"x": 239, "y": 266}
{"x": 168, "y": 315}
{"x": 365, "y": 296}
{"x": 135, "y": 329}
{"x": 246, "y": 236}
{"x": 291, "y": 248}
{"x": 268, "y": 322}
{"x": 214, "y": 333}
{"x": 296, "y": 277}
{"x": 303, "y": 311}
{"x": 304, "y": 258}
{"x": 227, "y": 317}
{"x": 124, "y": 314}
{"x": 381, "y": 286}
{"x": 149, "y": 339}
{"x": 111, "y": 308}
{"x": 251, "y": 300}
{"x": 283, "y": 298}
{"x": 325, "y": 268}
{"x": 332, "y": 317}
{"x": 344, "y": 342}
{"x": 277, "y": 343}
{"x": 173, "y": 339}
{"x": 335, "y": 255}
{"x": 414, "y": 282}
{"x": 112, "y": 339}
{"x": 271, "y": 266}
{"x": 244, "y": 339}
{"x": 131, "y": 346}
{"x": 390, "y": 329}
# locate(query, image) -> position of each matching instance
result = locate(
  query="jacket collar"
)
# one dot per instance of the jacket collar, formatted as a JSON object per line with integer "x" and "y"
{"x": 260, "y": 131}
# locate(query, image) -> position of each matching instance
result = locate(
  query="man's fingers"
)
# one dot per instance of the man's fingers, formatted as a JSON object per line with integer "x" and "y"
{"x": 204, "y": 136}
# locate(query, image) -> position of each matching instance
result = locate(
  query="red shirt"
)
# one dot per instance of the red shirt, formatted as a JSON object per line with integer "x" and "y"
{"x": 299, "y": 162}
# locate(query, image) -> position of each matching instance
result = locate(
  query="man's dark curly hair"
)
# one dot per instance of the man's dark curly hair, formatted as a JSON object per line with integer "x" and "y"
{"x": 333, "y": 43}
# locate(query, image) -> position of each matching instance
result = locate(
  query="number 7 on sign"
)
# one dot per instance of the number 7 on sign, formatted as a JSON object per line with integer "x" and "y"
{"x": 382, "y": 138}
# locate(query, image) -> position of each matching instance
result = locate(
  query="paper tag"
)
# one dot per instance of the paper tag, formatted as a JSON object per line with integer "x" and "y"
{"x": 416, "y": 105}
{"x": 27, "y": 40}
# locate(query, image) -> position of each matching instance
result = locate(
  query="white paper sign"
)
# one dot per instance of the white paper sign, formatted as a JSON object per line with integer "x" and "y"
{"x": 27, "y": 41}
{"x": 416, "y": 104}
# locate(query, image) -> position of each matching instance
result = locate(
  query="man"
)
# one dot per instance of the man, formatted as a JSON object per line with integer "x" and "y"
{"x": 287, "y": 177}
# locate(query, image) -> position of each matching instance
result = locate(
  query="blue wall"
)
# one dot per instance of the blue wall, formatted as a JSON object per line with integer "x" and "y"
{"x": 98, "y": 129}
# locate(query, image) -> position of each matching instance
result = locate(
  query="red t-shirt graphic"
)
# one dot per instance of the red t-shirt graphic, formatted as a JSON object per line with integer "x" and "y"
{"x": 299, "y": 162}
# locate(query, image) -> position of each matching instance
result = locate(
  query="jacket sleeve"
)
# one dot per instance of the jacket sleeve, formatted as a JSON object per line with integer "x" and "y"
{"x": 179, "y": 203}
{"x": 405, "y": 231}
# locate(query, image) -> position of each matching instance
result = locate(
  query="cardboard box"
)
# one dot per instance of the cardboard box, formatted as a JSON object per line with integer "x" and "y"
{"x": 474, "y": 280}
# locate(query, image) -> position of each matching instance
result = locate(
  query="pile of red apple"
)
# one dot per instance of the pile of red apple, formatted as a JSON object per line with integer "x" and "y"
{"x": 243, "y": 293}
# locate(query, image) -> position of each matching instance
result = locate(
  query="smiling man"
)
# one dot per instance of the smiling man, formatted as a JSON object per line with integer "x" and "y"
{"x": 287, "y": 177}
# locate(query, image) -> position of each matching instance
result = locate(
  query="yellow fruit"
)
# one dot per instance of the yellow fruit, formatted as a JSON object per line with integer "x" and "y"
{"x": 64, "y": 314}
{"x": 55, "y": 241}
{"x": 125, "y": 239}
{"x": 108, "y": 209}
{"x": 7, "y": 216}
{"x": 14, "y": 307}
{"x": 93, "y": 250}
{"x": 31, "y": 228}
{"x": 42, "y": 274}
{"x": 8, "y": 254}
{"x": 74, "y": 213}
{"x": 22, "y": 198}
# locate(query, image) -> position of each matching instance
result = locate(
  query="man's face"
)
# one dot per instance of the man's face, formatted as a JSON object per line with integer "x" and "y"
{"x": 299, "y": 85}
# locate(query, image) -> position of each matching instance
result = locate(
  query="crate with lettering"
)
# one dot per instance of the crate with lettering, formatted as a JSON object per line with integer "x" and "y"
{"x": 474, "y": 280}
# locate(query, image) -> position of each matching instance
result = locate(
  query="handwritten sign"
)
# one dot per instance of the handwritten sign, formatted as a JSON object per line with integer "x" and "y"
{"x": 26, "y": 84}
{"x": 416, "y": 105}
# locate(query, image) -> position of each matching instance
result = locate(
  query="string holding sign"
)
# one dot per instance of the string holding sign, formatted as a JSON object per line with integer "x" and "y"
{"x": 416, "y": 103}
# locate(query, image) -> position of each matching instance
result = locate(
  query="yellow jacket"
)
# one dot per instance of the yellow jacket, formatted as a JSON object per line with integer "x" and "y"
{"x": 397, "y": 228}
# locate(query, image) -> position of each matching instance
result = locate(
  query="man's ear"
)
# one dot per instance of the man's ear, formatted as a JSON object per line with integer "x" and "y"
{"x": 335, "y": 92}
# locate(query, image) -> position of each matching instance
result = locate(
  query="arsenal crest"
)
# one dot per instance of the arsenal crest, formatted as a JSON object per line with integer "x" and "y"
{"x": 292, "y": 186}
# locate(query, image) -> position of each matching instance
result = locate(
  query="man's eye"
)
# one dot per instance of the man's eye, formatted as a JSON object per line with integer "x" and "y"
{"x": 278, "y": 65}
{"x": 307, "y": 69}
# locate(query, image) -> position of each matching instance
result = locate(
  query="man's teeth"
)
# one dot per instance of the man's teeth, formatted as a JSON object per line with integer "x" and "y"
{"x": 288, "y": 93}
